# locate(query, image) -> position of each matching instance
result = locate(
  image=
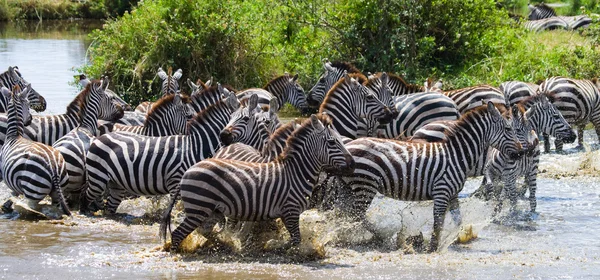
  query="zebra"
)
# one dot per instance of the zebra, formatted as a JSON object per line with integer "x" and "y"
{"x": 397, "y": 86}
{"x": 246, "y": 191}
{"x": 29, "y": 168}
{"x": 349, "y": 103}
{"x": 74, "y": 145}
{"x": 428, "y": 171}
{"x": 284, "y": 88}
{"x": 577, "y": 100}
{"x": 471, "y": 97}
{"x": 168, "y": 116}
{"x": 199, "y": 85}
{"x": 170, "y": 85}
{"x": 83, "y": 81}
{"x": 144, "y": 165}
{"x": 48, "y": 129}
{"x": 540, "y": 11}
{"x": 333, "y": 73}
{"x": 551, "y": 23}
{"x": 516, "y": 91}
{"x": 12, "y": 77}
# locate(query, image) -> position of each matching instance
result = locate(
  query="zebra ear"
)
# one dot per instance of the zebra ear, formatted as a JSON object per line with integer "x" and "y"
{"x": 316, "y": 123}
{"x": 161, "y": 74}
{"x": 274, "y": 105}
{"x": 6, "y": 93}
{"x": 13, "y": 72}
{"x": 252, "y": 103}
{"x": 104, "y": 83}
{"x": 295, "y": 78}
{"x": 191, "y": 84}
{"x": 209, "y": 82}
{"x": 346, "y": 76}
{"x": 328, "y": 66}
{"x": 178, "y": 74}
{"x": 496, "y": 116}
{"x": 439, "y": 84}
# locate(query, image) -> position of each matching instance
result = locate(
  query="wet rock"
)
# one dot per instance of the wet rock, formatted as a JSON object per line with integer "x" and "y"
{"x": 31, "y": 211}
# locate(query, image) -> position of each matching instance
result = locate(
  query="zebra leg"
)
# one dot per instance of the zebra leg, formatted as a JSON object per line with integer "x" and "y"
{"x": 96, "y": 184}
{"x": 58, "y": 200}
{"x": 454, "y": 208}
{"x": 115, "y": 196}
{"x": 580, "y": 129}
{"x": 546, "y": 143}
{"x": 510, "y": 189}
{"x": 291, "y": 220}
{"x": 532, "y": 185}
{"x": 188, "y": 225}
{"x": 558, "y": 144}
{"x": 440, "y": 205}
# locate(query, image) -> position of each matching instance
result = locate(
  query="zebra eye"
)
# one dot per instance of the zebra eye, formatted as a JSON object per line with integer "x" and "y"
{"x": 267, "y": 122}
{"x": 246, "y": 118}
{"x": 322, "y": 80}
{"x": 370, "y": 97}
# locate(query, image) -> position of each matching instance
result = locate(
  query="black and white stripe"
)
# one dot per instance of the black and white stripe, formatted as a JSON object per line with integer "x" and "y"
{"x": 31, "y": 169}
{"x": 245, "y": 191}
{"x": 148, "y": 166}
{"x": 349, "y": 103}
{"x": 515, "y": 92}
{"x": 428, "y": 171}
{"x": 333, "y": 73}
{"x": 12, "y": 77}
{"x": 169, "y": 85}
{"x": 472, "y": 97}
{"x": 546, "y": 24}
{"x": 540, "y": 11}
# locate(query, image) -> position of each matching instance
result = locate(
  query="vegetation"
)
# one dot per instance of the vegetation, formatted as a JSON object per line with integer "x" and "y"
{"x": 11, "y": 10}
{"x": 246, "y": 43}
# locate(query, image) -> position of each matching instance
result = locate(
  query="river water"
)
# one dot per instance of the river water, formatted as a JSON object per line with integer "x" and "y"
{"x": 561, "y": 242}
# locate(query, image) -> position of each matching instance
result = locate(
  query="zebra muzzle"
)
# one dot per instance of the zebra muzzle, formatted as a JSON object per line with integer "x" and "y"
{"x": 226, "y": 137}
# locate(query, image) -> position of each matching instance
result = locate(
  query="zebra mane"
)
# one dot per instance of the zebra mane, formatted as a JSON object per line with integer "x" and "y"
{"x": 298, "y": 136}
{"x": 283, "y": 130}
{"x": 357, "y": 76}
{"x": 205, "y": 116}
{"x": 397, "y": 78}
{"x": 79, "y": 104}
{"x": 478, "y": 111}
{"x": 276, "y": 80}
{"x": 163, "y": 104}
{"x": 349, "y": 67}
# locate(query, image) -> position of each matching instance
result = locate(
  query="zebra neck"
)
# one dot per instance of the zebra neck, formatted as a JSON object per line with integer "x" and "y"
{"x": 533, "y": 119}
{"x": 90, "y": 116}
{"x": 14, "y": 127}
{"x": 466, "y": 147}
{"x": 304, "y": 171}
{"x": 204, "y": 138}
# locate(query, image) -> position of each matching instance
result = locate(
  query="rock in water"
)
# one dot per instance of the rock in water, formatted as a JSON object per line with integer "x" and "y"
{"x": 466, "y": 234}
{"x": 43, "y": 211}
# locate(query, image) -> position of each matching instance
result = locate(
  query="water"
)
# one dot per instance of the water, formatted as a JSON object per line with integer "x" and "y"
{"x": 562, "y": 242}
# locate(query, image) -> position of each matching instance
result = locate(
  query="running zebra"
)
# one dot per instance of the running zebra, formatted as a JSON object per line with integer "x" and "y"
{"x": 75, "y": 144}
{"x": 333, "y": 73}
{"x": 168, "y": 116}
{"x": 349, "y": 103}
{"x": 170, "y": 85}
{"x": 29, "y": 168}
{"x": 577, "y": 100}
{"x": 48, "y": 129}
{"x": 245, "y": 191}
{"x": 12, "y": 77}
{"x": 472, "y": 97}
{"x": 428, "y": 171}
{"x": 149, "y": 166}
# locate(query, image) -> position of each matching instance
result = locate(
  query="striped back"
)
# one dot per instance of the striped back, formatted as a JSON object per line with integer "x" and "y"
{"x": 540, "y": 11}
{"x": 333, "y": 73}
{"x": 551, "y": 23}
{"x": 12, "y": 77}
{"x": 472, "y": 97}
{"x": 170, "y": 81}
{"x": 287, "y": 89}
{"x": 577, "y": 100}
{"x": 349, "y": 102}
{"x": 516, "y": 91}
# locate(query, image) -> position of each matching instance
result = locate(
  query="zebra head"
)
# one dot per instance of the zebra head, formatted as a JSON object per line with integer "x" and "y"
{"x": 118, "y": 100}
{"x": 523, "y": 130}
{"x": 108, "y": 107}
{"x": 367, "y": 105}
{"x": 13, "y": 77}
{"x": 199, "y": 86}
{"x": 501, "y": 134}
{"x": 171, "y": 113}
{"x": 547, "y": 119}
{"x": 329, "y": 147}
{"x": 20, "y": 101}
{"x": 170, "y": 84}
{"x": 244, "y": 124}
{"x": 380, "y": 86}
{"x": 269, "y": 116}
{"x": 333, "y": 73}
{"x": 295, "y": 93}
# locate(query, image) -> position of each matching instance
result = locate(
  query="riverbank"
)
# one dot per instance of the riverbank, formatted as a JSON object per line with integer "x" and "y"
{"x": 15, "y": 10}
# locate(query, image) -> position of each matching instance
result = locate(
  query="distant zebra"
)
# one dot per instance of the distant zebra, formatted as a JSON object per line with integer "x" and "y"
{"x": 75, "y": 144}
{"x": 540, "y": 11}
{"x": 149, "y": 166}
{"x": 48, "y": 129}
{"x": 472, "y": 97}
{"x": 12, "y": 77}
{"x": 396, "y": 84}
{"x": 202, "y": 98}
{"x": 245, "y": 191}
{"x": 428, "y": 171}
{"x": 350, "y": 103}
{"x": 546, "y": 24}
{"x": 198, "y": 86}
{"x": 284, "y": 88}
{"x": 168, "y": 116}
{"x": 29, "y": 168}
{"x": 170, "y": 85}
{"x": 333, "y": 73}
{"x": 577, "y": 100}
{"x": 515, "y": 92}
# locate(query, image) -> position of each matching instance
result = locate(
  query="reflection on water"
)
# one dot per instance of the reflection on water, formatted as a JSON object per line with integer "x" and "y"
{"x": 562, "y": 242}
{"x": 47, "y": 55}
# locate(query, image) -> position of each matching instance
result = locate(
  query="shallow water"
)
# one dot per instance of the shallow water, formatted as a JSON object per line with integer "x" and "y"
{"x": 562, "y": 242}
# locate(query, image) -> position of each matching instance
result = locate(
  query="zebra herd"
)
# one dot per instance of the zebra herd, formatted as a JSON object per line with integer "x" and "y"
{"x": 228, "y": 157}
{"x": 543, "y": 17}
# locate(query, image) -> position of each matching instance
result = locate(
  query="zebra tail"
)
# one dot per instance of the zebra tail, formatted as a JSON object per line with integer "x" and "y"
{"x": 63, "y": 203}
{"x": 166, "y": 219}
